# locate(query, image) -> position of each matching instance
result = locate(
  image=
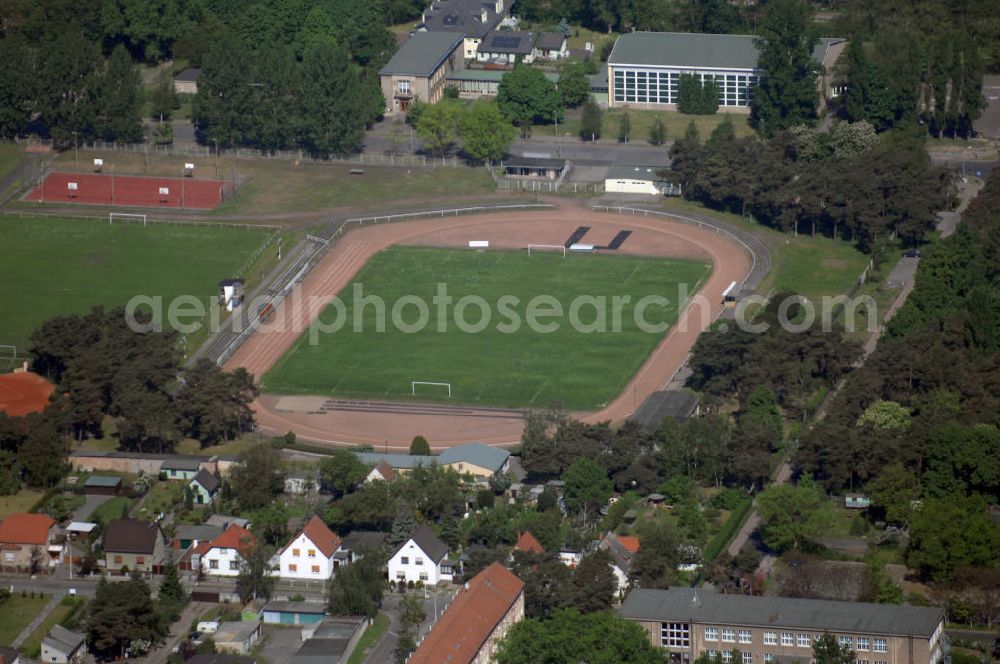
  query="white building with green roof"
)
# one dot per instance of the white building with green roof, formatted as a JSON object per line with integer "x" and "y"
{"x": 644, "y": 68}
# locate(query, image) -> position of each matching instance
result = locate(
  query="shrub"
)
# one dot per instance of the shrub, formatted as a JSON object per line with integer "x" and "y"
{"x": 727, "y": 499}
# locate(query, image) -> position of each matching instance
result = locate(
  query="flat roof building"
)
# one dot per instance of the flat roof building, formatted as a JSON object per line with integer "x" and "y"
{"x": 690, "y": 621}
{"x": 644, "y": 68}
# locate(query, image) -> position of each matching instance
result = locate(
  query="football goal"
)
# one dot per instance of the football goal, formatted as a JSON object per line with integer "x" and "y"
{"x": 124, "y": 218}
{"x": 547, "y": 247}
{"x": 413, "y": 386}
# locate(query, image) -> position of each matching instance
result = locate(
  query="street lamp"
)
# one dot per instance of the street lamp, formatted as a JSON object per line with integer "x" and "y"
{"x": 112, "y": 184}
{"x": 183, "y": 172}
{"x": 74, "y": 148}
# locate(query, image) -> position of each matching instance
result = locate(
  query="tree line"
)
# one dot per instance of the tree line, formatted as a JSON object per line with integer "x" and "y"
{"x": 917, "y": 426}
{"x": 845, "y": 183}
{"x": 103, "y": 368}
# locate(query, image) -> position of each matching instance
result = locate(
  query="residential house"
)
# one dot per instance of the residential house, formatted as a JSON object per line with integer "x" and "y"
{"x": 644, "y": 68}
{"x": 551, "y": 46}
{"x": 293, "y": 613}
{"x": 623, "y": 549}
{"x": 102, "y": 485}
{"x": 423, "y": 557}
{"x": 24, "y": 539}
{"x": 180, "y": 468}
{"x": 507, "y": 47}
{"x": 187, "y": 535}
{"x": 570, "y": 557}
{"x": 310, "y": 554}
{"x": 205, "y": 487}
{"x": 478, "y": 459}
{"x": 237, "y": 638}
{"x": 61, "y": 646}
{"x": 302, "y": 482}
{"x": 223, "y": 555}
{"x": 131, "y": 545}
{"x": 688, "y": 622}
{"x": 186, "y": 82}
{"x": 355, "y": 544}
{"x": 381, "y": 472}
{"x": 419, "y": 68}
{"x": 477, "y": 619}
{"x": 527, "y": 543}
{"x": 471, "y": 19}
{"x": 331, "y": 641}
{"x": 9, "y": 655}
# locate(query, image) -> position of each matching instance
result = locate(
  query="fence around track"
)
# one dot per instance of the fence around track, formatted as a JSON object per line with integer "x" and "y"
{"x": 760, "y": 254}
{"x": 221, "y": 347}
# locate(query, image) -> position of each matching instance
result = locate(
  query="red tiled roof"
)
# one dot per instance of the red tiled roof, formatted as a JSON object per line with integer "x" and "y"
{"x": 24, "y": 393}
{"x": 321, "y": 536}
{"x": 385, "y": 470}
{"x": 234, "y": 537}
{"x": 465, "y": 625}
{"x": 26, "y": 529}
{"x": 527, "y": 543}
{"x": 630, "y": 543}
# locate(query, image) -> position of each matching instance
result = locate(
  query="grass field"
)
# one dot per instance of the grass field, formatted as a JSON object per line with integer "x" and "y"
{"x": 521, "y": 367}
{"x": 279, "y": 187}
{"x": 33, "y": 645}
{"x": 63, "y": 266}
{"x": 21, "y": 501}
{"x": 811, "y": 266}
{"x": 16, "y": 613}
{"x": 113, "y": 509}
{"x": 10, "y": 156}
{"x": 642, "y": 121}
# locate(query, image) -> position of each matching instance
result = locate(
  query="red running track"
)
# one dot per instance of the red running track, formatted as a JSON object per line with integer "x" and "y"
{"x": 129, "y": 190}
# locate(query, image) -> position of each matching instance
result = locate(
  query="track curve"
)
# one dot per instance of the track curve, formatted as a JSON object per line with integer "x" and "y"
{"x": 393, "y": 427}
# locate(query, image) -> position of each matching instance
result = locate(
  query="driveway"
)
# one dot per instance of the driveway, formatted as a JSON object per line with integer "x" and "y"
{"x": 178, "y": 632}
{"x": 90, "y": 505}
{"x": 281, "y": 642}
{"x": 383, "y": 650}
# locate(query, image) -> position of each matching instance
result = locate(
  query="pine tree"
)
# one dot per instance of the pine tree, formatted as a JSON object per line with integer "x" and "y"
{"x": 333, "y": 102}
{"x": 786, "y": 95}
{"x": 402, "y": 526}
{"x": 658, "y": 133}
{"x": 590, "y": 125}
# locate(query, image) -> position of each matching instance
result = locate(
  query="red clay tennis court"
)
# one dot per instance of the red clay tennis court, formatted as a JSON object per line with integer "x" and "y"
{"x": 24, "y": 393}
{"x": 129, "y": 190}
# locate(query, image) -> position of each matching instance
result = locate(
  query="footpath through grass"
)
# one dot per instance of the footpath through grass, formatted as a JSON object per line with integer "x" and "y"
{"x": 66, "y": 266}
{"x": 67, "y": 607}
{"x": 17, "y": 613}
{"x": 502, "y": 363}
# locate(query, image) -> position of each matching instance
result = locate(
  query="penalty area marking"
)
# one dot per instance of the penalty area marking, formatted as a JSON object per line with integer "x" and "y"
{"x": 547, "y": 246}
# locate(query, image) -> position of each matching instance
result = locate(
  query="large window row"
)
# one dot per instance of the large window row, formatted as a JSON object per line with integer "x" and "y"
{"x": 787, "y": 639}
{"x": 659, "y": 87}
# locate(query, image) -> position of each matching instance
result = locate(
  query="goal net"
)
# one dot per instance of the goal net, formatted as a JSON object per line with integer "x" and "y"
{"x": 550, "y": 248}
{"x": 124, "y": 218}
{"x": 414, "y": 384}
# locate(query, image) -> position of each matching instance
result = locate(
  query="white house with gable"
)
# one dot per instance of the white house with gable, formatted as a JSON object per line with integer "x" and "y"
{"x": 423, "y": 557}
{"x": 222, "y": 556}
{"x": 310, "y": 553}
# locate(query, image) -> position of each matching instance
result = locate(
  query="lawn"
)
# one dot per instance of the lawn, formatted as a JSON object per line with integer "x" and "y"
{"x": 500, "y": 364}
{"x": 642, "y": 121}
{"x": 113, "y": 509}
{"x": 33, "y": 645}
{"x": 280, "y": 186}
{"x": 369, "y": 638}
{"x": 22, "y": 501}
{"x": 65, "y": 266}
{"x": 16, "y": 613}
{"x": 161, "y": 498}
{"x": 811, "y": 266}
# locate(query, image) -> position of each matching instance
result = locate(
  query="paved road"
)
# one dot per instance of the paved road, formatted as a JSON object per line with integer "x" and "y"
{"x": 383, "y": 650}
{"x": 178, "y": 632}
{"x": 90, "y": 505}
{"x": 36, "y": 621}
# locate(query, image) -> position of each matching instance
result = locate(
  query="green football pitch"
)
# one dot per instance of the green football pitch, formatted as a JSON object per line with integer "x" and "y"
{"x": 52, "y": 267}
{"x": 504, "y": 364}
